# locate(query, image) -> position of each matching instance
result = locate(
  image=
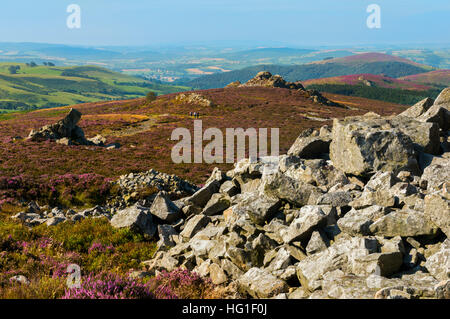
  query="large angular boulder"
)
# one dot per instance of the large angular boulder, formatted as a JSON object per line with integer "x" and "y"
{"x": 439, "y": 264}
{"x": 203, "y": 195}
{"x": 259, "y": 207}
{"x": 404, "y": 223}
{"x": 294, "y": 191}
{"x": 363, "y": 146}
{"x": 259, "y": 283}
{"x": 357, "y": 222}
{"x": 419, "y": 108}
{"x": 217, "y": 204}
{"x": 436, "y": 175}
{"x": 310, "y": 219}
{"x": 437, "y": 209}
{"x": 309, "y": 145}
{"x": 194, "y": 225}
{"x": 136, "y": 218}
{"x": 163, "y": 208}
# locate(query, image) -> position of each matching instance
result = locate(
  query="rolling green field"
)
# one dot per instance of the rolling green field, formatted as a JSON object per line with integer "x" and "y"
{"x": 32, "y": 87}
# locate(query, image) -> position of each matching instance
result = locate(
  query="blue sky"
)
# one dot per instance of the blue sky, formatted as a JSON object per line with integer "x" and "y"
{"x": 299, "y": 22}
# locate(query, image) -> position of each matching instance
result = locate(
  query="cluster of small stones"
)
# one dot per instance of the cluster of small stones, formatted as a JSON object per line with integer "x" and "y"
{"x": 359, "y": 210}
{"x": 36, "y": 215}
{"x": 131, "y": 185}
{"x": 194, "y": 98}
{"x": 266, "y": 79}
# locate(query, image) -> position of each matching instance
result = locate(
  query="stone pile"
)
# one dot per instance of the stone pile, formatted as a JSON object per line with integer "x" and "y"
{"x": 359, "y": 210}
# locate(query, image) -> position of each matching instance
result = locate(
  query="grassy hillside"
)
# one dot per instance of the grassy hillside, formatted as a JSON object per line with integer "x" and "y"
{"x": 370, "y": 80}
{"x": 399, "y": 96}
{"x": 24, "y": 87}
{"x": 368, "y": 63}
{"x": 438, "y": 77}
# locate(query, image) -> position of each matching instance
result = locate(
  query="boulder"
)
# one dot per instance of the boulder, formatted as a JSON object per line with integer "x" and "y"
{"x": 259, "y": 207}
{"x": 310, "y": 219}
{"x": 439, "y": 264}
{"x": 310, "y": 146}
{"x": 163, "y": 208}
{"x": 383, "y": 264}
{"x": 436, "y": 174}
{"x": 203, "y": 195}
{"x": 217, "y": 274}
{"x": 217, "y": 204}
{"x": 318, "y": 242}
{"x": 294, "y": 191}
{"x": 437, "y": 209}
{"x": 357, "y": 222}
{"x": 194, "y": 225}
{"x": 136, "y": 218}
{"x": 363, "y": 146}
{"x": 259, "y": 283}
{"x": 404, "y": 223}
{"x": 166, "y": 237}
{"x": 418, "y": 109}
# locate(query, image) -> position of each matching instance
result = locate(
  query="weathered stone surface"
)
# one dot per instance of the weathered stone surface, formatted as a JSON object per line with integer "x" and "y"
{"x": 166, "y": 237}
{"x": 194, "y": 225}
{"x": 259, "y": 207}
{"x": 357, "y": 222}
{"x": 55, "y": 221}
{"x": 231, "y": 269}
{"x": 163, "y": 208}
{"x": 335, "y": 199}
{"x": 203, "y": 195}
{"x": 317, "y": 243}
{"x": 436, "y": 174}
{"x": 217, "y": 204}
{"x": 419, "y": 108}
{"x": 259, "y": 283}
{"x": 310, "y": 218}
{"x": 295, "y": 192}
{"x": 310, "y": 146}
{"x": 383, "y": 264}
{"x": 438, "y": 114}
{"x": 340, "y": 255}
{"x": 217, "y": 274}
{"x": 439, "y": 264}
{"x": 136, "y": 218}
{"x": 362, "y": 146}
{"x": 405, "y": 223}
{"x": 437, "y": 209}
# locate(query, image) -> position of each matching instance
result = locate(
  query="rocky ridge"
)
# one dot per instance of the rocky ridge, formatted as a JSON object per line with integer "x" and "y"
{"x": 266, "y": 79}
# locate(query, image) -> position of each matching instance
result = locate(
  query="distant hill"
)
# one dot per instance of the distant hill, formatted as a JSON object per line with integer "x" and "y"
{"x": 30, "y": 87}
{"x": 371, "y": 80}
{"x": 373, "y": 63}
{"x": 438, "y": 77}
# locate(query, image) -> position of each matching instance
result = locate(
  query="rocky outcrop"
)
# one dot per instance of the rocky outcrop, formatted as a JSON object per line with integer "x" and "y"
{"x": 266, "y": 79}
{"x": 66, "y": 132}
{"x": 194, "y": 98}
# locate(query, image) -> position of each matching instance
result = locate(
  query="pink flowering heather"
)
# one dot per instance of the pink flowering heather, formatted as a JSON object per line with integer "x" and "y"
{"x": 109, "y": 286}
